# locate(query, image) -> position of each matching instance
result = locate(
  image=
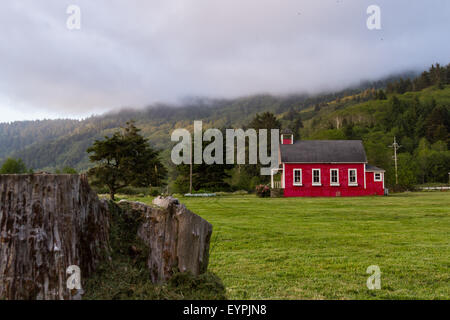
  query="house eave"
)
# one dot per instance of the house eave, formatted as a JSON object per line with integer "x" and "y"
{"x": 296, "y": 162}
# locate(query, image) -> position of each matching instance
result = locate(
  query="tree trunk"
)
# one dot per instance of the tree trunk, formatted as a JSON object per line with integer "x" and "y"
{"x": 177, "y": 238}
{"x": 48, "y": 223}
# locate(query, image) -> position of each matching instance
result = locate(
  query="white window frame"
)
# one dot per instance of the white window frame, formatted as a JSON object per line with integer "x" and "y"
{"x": 331, "y": 176}
{"x": 320, "y": 177}
{"x": 293, "y": 177}
{"x": 356, "y": 177}
{"x": 375, "y": 177}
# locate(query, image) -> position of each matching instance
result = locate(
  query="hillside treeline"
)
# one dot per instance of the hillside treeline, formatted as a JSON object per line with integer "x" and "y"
{"x": 413, "y": 108}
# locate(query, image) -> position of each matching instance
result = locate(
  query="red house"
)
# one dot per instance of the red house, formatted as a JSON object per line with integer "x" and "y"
{"x": 326, "y": 168}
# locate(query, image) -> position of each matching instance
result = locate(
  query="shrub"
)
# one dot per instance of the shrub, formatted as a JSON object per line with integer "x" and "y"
{"x": 262, "y": 191}
{"x": 154, "y": 192}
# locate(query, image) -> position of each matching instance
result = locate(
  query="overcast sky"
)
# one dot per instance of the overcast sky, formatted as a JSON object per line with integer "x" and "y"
{"x": 131, "y": 53}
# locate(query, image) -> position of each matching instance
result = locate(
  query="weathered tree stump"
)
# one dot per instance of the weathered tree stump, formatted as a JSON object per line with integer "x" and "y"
{"x": 178, "y": 239}
{"x": 48, "y": 223}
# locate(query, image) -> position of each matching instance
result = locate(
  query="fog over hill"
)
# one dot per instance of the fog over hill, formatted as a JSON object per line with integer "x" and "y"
{"x": 69, "y": 139}
{"x": 134, "y": 53}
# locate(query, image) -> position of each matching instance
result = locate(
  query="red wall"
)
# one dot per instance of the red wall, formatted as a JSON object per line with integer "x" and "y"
{"x": 374, "y": 187}
{"x": 325, "y": 190}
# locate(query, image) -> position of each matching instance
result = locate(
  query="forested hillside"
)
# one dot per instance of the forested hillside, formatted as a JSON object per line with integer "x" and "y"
{"x": 420, "y": 121}
{"x": 51, "y": 144}
{"x": 414, "y": 109}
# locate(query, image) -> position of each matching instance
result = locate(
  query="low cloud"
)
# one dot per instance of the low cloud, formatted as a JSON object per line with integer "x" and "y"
{"x": 133, "y": 53}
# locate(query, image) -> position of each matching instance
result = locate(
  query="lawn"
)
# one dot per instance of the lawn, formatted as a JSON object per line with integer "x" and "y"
{"x": 320, "y": 248}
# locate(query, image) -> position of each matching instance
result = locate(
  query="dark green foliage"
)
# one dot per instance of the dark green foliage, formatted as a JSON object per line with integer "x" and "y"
{"x": 211, "y": 177}
{"x": 436, "y": 75}
{"x": 207, "y": 177}
{"x": 267, "y": 121}
{"x": 407, "y": 171}
{"x": 66, "y": 170}
{"x": 126, "y": 275}
{"x": 437, "y": 124}
{"x": 125, "y": 159}
{"x": 380, "y": 95}
{"x": 292, "y": 120}
{"x": 13, "y": 166}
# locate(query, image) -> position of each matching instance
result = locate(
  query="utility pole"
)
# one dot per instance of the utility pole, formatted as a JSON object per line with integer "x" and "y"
{"x": 190, "y": 173}
{"x": 396, "y": 146}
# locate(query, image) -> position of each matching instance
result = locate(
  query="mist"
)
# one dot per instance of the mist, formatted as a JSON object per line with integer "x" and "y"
{"x": 134, "y": 53}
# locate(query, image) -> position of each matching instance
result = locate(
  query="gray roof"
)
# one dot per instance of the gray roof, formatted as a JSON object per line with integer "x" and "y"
{"x": 370, "y": 167}
{"x": 323, "y": 151}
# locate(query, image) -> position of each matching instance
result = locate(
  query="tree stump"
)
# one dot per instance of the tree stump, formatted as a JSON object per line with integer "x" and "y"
{"x": 178, "y": 239}
{"x": 47, "y": 223}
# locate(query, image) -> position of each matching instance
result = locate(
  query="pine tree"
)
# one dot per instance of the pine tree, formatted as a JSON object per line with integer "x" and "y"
{"x": 125, "y": 159}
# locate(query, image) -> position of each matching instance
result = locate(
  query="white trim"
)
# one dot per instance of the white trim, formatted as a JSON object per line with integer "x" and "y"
{"x": 364, "y": 176}
{"x": 383, "y": 180}
{"x": 320, "y": 177}
{"x": 334, "y": 184}
{"x": 298, "y": 184}
{"x": 283, "y": 185}
{"x": 375, "y": 179}
{"x": 353, "y": 184}
{"x": 271, "y": 176}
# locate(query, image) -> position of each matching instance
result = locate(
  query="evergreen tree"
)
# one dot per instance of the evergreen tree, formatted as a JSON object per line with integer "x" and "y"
{"x": 125, "y": 159}
{"x": 267, "y": 121}
{"x": 210, "y": 177}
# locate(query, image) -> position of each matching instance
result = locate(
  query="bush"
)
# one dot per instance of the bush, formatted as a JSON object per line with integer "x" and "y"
{"x": 180, "y": 185}
{"x": 154, "y": 193}
{"x": 262, "y": 191}
{"x": 13, "y": 166}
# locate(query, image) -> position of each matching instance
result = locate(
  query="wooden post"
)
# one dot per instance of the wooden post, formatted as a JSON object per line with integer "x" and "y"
{"x": 190, "y": 173}
{"x": 396, "y": 146}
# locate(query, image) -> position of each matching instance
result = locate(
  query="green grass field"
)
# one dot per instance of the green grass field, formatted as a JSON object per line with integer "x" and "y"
{"x": 320, "y": 248}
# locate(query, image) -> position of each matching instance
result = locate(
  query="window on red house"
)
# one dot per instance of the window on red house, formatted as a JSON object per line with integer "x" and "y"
{"x": 334, "y": 176}
{"x": 352, "y": 177}
{"x": 298, "y": 177}
{"x": 316, "y": 176}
